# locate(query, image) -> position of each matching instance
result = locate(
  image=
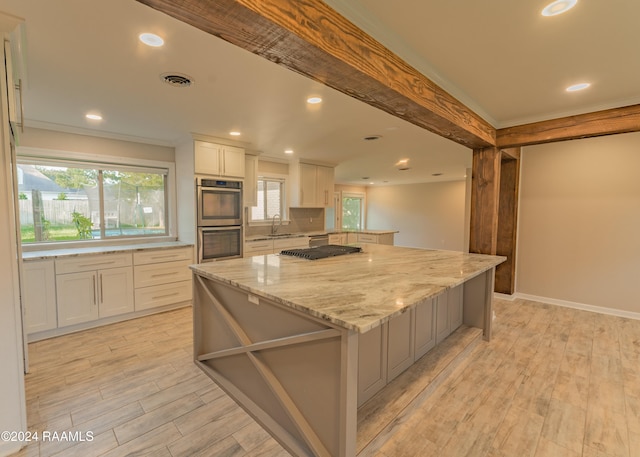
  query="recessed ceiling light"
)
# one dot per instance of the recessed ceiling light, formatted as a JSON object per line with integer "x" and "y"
{"x": 151, "y": 39}
{"x": 577, "y": 87}
{"x": 288, "y": 151}
{"x": 234, "y": 133}
{"x": 314, "y": 100}
{"x": 558, "y": 7}
{"x": 93, "y": 116}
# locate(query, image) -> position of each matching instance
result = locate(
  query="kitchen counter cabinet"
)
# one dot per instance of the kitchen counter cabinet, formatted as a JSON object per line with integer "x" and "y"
{"x": 39, "y": 292}
{"x": 300, "y": 330}
{"x": 67, "y": 290}
{"x": 93, "y": 287}
{"x": 383, "y": 238}
{"x": 162, "y": 277}
{"x": 274, "y": 245}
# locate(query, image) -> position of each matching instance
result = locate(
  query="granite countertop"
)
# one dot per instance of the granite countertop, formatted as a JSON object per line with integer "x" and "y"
{"x": 69, "y": 252}
{"x": 355, "y": 291}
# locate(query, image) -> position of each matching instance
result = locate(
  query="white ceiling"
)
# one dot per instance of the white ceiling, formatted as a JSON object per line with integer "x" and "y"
{"x": 509, "y": 64}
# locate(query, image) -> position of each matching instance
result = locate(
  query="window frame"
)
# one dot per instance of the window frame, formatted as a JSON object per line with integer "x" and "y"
{"x": 282, "y": 179}
{"x": 104, "y": 162}
{"x": 363, "y": 209}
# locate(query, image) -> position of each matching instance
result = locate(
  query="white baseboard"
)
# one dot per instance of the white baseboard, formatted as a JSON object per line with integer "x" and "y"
{"x": 570, "y": 304}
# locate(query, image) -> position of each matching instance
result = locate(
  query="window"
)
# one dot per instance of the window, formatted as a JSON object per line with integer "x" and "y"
{"x": 270, "y": 199}
{"x": 352, "y": 211}
{"x": 73, "y": 201}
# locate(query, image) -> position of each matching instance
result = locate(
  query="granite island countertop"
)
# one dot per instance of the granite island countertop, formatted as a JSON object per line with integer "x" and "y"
{"x": 356, "y": 291}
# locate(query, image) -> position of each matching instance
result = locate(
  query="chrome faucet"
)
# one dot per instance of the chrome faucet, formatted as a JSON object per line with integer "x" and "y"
{"x": 274, "y": 229}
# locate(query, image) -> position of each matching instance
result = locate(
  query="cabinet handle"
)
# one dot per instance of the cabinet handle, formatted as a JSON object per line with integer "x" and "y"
{"x": 165, "y": 295}
{"x": 166, "y": 256}
{"x": 101, "y": 289}
{"x": 96, "y": 264}
{"x": 95, "y": 301}
{"x": 163, "y": 274}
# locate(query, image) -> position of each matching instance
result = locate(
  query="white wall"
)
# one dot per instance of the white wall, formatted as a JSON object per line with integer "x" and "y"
{"x": 12, "y": 394}
{"x": 579, "y": 223}
{"x": 72, "y": 142}
{"x": 429, "y": 215}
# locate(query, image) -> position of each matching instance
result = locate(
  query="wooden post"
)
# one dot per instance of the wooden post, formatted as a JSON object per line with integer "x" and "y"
{"x": 485, "y": 194}
{"x": 494, "y": 207}
{"x": 507, "y": 220}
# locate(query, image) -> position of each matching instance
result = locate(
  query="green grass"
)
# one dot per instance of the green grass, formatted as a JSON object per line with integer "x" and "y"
{"x": 56, "y": 233}
{"x": 70, "y": 233}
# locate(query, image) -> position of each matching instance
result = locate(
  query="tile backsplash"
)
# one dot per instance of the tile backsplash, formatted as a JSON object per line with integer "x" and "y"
{"x": 300, "y": 220}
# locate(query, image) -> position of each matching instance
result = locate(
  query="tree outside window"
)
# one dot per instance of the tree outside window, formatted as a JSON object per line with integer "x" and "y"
{"x": 71, "y": 203}
{"x": 353, "y": 211}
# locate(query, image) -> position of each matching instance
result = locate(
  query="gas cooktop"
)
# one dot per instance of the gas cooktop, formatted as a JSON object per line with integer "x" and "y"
{"x": 321, "y": 252}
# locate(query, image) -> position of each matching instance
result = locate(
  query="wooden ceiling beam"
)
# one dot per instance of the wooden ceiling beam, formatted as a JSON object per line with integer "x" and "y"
{"x": 598, "y": 123}
{"x": 310, "y": 38}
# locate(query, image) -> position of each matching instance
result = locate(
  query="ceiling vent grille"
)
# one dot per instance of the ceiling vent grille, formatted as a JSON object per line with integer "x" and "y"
{"x": 176, "y": 79}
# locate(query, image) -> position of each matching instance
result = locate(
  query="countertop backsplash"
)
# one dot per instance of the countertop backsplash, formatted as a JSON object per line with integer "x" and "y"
{"x": 300, "y": 220}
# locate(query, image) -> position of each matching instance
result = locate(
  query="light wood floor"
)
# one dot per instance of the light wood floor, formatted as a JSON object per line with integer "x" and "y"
{"x": 552, "y": 382}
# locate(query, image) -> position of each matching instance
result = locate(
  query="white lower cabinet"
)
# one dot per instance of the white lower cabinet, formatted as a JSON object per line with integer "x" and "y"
{"x": 274, "y": 245}
{"x": 162, "y": 277}
{"x": 69, "y": 293}
{"x": 92, "y": 287}
{"x": 338, "y": 238}
{"x": 381, "y": 238}
{"x": 386, "y": 351}
{"x": 39, "y": 295}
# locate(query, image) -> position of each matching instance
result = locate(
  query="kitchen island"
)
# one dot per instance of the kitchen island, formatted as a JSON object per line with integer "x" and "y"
{"x": 281, "y": 334}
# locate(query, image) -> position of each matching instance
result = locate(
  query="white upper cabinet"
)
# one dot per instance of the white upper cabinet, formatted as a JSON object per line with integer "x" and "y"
{"x": 219, "y": 160}
{"x": 312, "y": 185}
{"x": 250, "y": 188}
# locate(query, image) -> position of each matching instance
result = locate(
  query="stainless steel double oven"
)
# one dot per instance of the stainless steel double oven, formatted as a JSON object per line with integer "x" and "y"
{"x": 219, "y": 216}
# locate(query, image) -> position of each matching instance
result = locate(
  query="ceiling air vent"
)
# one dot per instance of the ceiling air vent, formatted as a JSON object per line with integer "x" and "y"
{"x": 176, "y": 79}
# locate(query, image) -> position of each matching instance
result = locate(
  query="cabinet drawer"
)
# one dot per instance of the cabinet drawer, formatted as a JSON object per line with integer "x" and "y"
{"x": 162, "y": 255}
{"x": 165, "y": 294}
{"x": 258, "y": 247}
{"x": 92, "y": 262}
{"x": 161, "y": 273}
{"x": 367, "y": 238}
{"x": 335, "y": 239}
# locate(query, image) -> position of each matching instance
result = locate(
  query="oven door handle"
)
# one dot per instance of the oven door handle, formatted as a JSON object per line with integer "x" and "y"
{"x": 218, "y": 229}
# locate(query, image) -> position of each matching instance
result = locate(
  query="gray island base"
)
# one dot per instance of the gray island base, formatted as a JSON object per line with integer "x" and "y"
{"x": 302, "y": 344}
